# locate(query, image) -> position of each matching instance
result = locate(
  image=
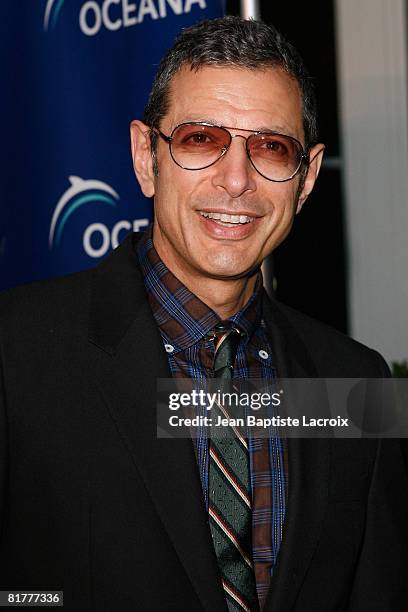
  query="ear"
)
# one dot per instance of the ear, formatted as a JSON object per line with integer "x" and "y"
{"x": 142, "y": 157}
{"x": 315, "y": 161}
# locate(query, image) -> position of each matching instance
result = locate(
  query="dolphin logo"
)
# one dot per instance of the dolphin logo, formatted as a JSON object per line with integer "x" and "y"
{"x": 72, "y": 196}
{"x": 57, "y": 5}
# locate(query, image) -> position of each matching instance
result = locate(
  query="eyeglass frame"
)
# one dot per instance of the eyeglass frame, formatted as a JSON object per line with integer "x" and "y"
{"x": 304, "y": 158}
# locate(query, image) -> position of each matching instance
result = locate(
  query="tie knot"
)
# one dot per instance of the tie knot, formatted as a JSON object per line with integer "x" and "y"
{"x": 223, "y": 326}
{"x": 227, "y": 338}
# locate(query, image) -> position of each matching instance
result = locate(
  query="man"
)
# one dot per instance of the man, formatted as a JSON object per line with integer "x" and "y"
{"x": 92, "y": 501}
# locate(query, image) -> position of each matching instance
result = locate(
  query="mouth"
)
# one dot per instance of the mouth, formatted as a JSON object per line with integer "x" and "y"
{"x": 227, "y": 220}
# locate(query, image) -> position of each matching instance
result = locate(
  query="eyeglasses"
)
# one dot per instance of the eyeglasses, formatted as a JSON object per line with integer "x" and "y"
{"x": 198, "y": 145}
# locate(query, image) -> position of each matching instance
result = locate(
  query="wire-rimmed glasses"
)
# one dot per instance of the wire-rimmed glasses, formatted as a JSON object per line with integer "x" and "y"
{"x": 198, "y": 145}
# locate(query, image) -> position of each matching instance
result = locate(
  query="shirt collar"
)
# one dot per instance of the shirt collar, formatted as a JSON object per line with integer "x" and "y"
{"x": 181, "y": 316}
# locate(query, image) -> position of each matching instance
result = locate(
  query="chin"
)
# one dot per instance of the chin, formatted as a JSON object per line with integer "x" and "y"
{"x": 222, "y": 267}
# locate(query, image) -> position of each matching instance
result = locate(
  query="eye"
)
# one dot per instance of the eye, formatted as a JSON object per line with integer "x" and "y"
{"x": 275, "y": 146}
{"x": 197, "y": 138}
{"x": 272, "y": 148}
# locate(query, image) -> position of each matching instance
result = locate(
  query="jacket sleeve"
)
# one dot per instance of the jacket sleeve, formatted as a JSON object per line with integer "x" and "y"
{"x": 380, "y": 578}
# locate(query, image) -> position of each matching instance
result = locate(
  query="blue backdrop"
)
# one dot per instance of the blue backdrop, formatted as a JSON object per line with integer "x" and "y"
{"x": 75, "y": 73}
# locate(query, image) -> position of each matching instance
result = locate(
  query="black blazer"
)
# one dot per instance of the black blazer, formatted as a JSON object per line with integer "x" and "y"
{"x": 93, "y": 503}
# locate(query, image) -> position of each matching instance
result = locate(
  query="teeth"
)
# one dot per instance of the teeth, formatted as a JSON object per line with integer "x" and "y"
{"x": 224, "y": 218}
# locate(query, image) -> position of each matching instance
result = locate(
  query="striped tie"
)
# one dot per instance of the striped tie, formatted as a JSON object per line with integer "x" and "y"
{"x": 230, "y": 514}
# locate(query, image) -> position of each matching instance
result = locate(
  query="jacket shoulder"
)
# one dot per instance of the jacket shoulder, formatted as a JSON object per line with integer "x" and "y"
{"x": 65, "y": 294}
{"x": 58, "y": 301}
{"x": 334, "y": 352}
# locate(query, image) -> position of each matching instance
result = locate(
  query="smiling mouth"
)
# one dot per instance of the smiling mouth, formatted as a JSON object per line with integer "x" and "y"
{"x": 227, "y": 220}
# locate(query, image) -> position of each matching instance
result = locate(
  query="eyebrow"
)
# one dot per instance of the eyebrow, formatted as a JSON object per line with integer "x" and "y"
{"x": 262, "y": 128}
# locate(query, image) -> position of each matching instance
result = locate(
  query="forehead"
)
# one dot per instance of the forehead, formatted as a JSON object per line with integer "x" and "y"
{"x": 251, "y": 99}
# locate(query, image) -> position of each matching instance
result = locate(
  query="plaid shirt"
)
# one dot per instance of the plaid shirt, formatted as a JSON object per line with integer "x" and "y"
{"x": 184, "y": 322}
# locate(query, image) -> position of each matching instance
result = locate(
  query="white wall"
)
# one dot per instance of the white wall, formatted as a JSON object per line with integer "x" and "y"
{"x": 372, "y": 76}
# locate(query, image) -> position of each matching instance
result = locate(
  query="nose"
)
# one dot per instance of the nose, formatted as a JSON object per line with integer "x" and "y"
{"x": 234, "y": 172}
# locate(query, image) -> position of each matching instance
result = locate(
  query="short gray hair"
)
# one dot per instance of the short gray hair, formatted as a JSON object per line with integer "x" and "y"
{"x": 233, "y": 42}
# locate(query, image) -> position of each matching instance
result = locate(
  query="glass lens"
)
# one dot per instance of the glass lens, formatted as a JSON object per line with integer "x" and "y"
{"x": 197, "y": 146}
{"x": 276, "y": 156}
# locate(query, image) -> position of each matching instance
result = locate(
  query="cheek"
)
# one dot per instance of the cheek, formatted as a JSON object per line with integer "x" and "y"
{"x": 173, "y": 183}
{"x": 173, "y": 203}
{"x": 283, "y": 201}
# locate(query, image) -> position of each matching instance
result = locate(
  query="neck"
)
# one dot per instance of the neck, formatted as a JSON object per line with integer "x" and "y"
{"x": 225, "y": 296}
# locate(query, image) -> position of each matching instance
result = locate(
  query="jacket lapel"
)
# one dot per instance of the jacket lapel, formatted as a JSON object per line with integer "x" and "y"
{"x": 129, "y": 357}
{"x": 309, "y": 468}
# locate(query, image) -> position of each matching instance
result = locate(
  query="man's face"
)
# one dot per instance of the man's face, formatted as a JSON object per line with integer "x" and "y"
{"x": 191, "y": 244}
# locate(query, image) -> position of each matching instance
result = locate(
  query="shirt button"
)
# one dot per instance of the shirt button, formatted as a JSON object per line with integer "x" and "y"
{"x": 169, "y": 348}
{"x": 263, "y": 354}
